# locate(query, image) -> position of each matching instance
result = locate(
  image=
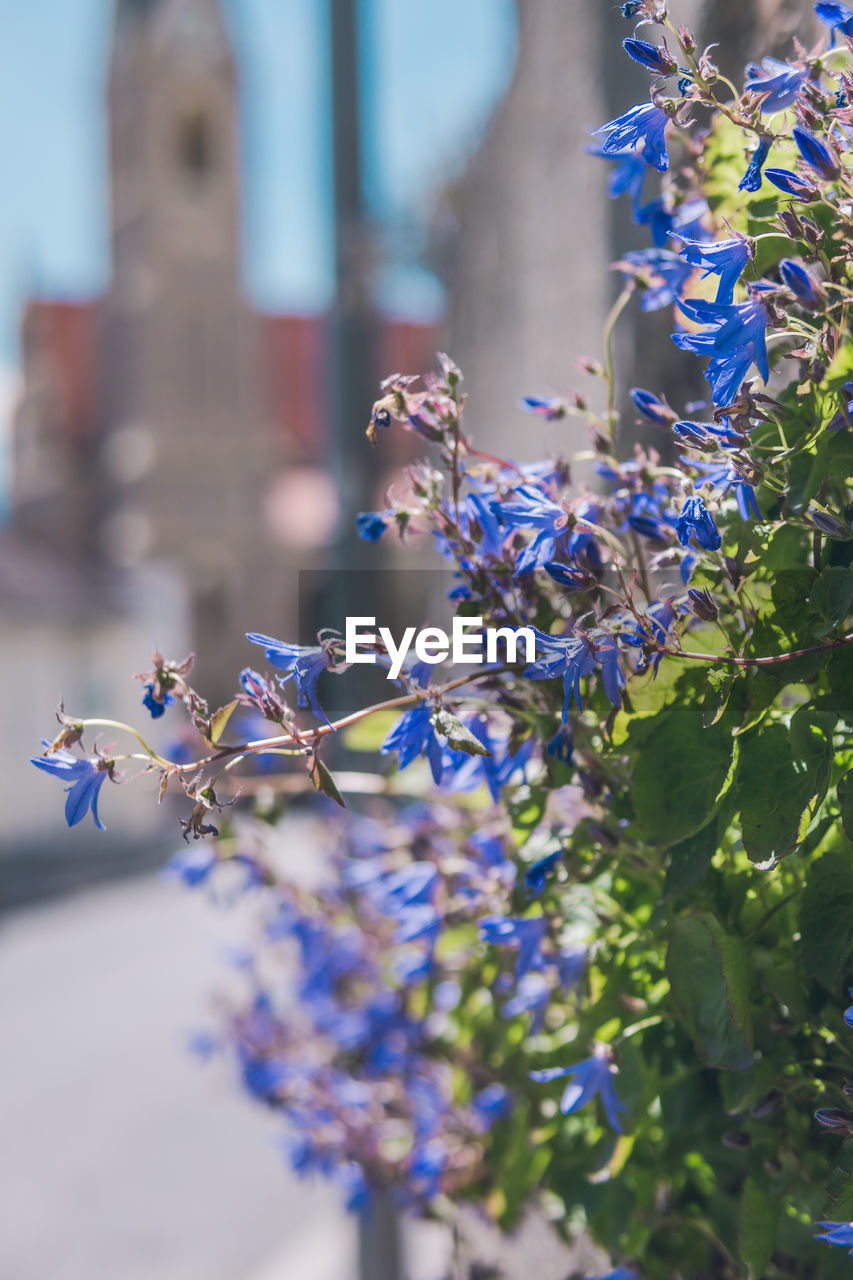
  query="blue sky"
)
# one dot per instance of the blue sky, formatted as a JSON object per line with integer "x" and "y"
{"x": 433, "y": 70}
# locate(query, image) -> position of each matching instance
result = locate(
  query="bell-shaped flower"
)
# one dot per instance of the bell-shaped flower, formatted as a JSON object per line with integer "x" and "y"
{"x": 734, "y": 338}
{"x": 779, "y": 81}
{"x": 723, "y": 258}
{"x": 414, "y": 735}
{"x": 696, "y": 520}
{"x": 646, "y": 124}
{"x": 837, "y": 1233}
{"x": 85, "y": 777}
{"x": 527, "y": 935}
{"x": 838, "y": 17}
{"x": 751, "y": 180}
{"x": 566, "y": 656}
{"x": 302, "y": 663}
{"x": 592, "y": 1076}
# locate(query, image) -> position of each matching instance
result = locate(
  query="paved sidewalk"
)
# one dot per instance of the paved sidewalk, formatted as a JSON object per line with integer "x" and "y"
{"x": 122, "y": 1157}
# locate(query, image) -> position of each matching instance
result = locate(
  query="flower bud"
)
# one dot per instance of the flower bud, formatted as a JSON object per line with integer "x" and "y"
{"x": 703, "y": 604}
{"x": 828, "y": 523}
{"x": 801, "y": 283}
{"x": 653, "y": 57}
{"x": 789, "y": 220}
{"x": 815, "y": 153}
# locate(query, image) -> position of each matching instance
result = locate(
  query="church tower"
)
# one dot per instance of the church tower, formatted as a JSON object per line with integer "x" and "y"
{"x": 187, "y": 447}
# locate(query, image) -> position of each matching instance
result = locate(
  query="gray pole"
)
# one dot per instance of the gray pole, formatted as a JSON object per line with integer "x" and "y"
{"x": 353, "y": 356}
{"x": 353, "y": 390}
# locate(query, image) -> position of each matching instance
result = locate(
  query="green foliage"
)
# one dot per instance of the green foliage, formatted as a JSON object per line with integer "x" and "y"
{"x": 709, "y": 983}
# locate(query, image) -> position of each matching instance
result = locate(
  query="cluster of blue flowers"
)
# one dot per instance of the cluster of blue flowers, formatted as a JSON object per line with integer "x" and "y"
{"x": 351, "y": 1063}
{"x": 511, "y": 928}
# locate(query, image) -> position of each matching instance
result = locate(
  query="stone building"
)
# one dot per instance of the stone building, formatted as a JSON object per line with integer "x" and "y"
{"x": 167, "y": 423}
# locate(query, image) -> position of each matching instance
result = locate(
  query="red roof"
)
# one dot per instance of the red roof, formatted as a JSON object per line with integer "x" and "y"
{"x": 61, "y": 343}
{"x": 64, "y": 336}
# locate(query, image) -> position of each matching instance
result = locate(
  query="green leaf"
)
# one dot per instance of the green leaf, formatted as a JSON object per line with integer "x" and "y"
{"x": 758, "y": 1220}
{"x": 720, "y": 682}
{"x": 324, "y": 782}
{"x": 840, "y": 369}
{"x": 458, "y": 737}
{"x": 839, "y": 1206}
{"x": 845, "y": 800}
{"x": 839, "y": 671}
{"x": 681, "y": 773}
{"x": 826, "y": 919}
{"x": 831, "y": 597}
{"x": 690, "y": 860}
{"x": 645, "y": 697}
{"x": 219, "y": 720}
{"x": 709, "y": 980}
{"x": 783, "y": 778}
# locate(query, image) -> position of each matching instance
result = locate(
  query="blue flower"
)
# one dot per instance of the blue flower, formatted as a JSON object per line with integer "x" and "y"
{"x": 837, "y": 1233}
{"x": 662, "y": 273}
{"x": 644, "y": 123}
{"x": 548, "y": 407}
{"x": 570, "y": 966}
{"x": 815, "y": 153}
{"x": 572, "y": 579}
{"x": 154, "y": 704}
{"x": 724, "y": 477}
{"x": 646, "y": 517}
{"x": 482, "y": 526}
{"x": 420, "y": 920}
{"x": 734, "y": 339}
{"x": 751, "y": 180}
{"x": 536, "y": 875}
{"x": 193, "y": 866}
{"x": 511, "y": 931}
{"x": 582, "y": 539}
{"x": 85, "y": 777}
{"x": 627, "y": 176}
{"x": 530, "y": 509}
{"x": 650, "y": 407}
{"x": 723, "y": 258}
{"x": 651, "y": 56}
{"x": 562, "y": 744}
{"x": 413, "y": 735}
{"x": 696, "y": 519}
{"x": 659, "y": 618}
{"x": 531, "y": 996}
{"x": 491, "y": 1103}
{"x": 371, "y": 525}
{"x": 612, "y": 678}
{"x": 302, "y": 663}
{"x": 565, "y": 656}
{"x": 801, "y": 283}
{"x": 592, "y": 1076}
{"x": 791, "y": 183}
{"x": 838, "y": 17}
{"x": 621, "y": 1273}
{"x": 778, "y": 80}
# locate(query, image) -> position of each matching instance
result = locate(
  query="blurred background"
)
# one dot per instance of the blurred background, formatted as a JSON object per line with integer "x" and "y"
{"x": 223, "y": 221}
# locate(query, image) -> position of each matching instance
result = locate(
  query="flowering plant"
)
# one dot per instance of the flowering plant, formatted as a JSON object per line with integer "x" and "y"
{"x": 593, "y": 943}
